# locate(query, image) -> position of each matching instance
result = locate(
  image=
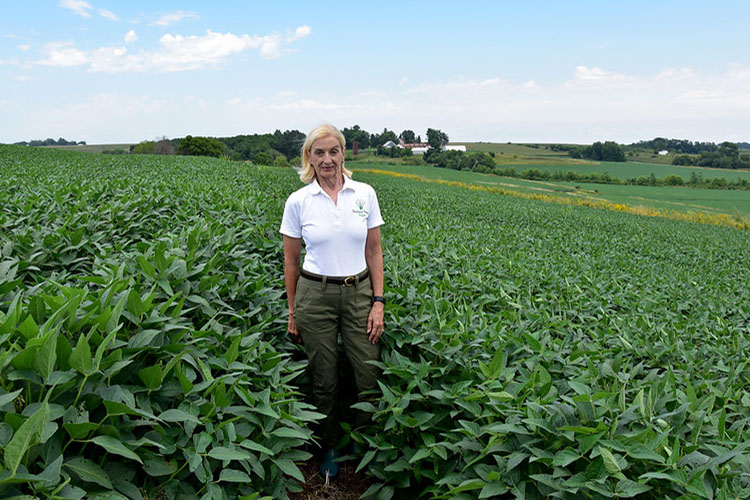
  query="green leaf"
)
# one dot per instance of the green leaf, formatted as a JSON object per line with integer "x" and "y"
{"x": 419, "y": 455}
{"x": 627, "y": 488}
{"x": 151, "y": 377}
{"x": 565, "y": 457}
{"x": 288, "y": 432}
{"x": 289, "y": 468}
{"x": 51, "y": 475}
{"x": 252, "y": 445}
{"x": 493, "y": 489}
{"x": 80, "y": 430}
{"x": 102, "y": 348}
{"x": 365, "y": 460}
{"x": 234, "y": 476}
{"x": 201, "y": 441}
{"x": 112, "y": 445}
{"x": 175, "y": 415}
{"x": 157, "y": 467}
{"x": 234, "y": 350}
{"x": 224, "y": 453}
{"x": 47, "y": 356}
{"x": 610, "y": 462}
{"x": 80, "y": 358}
{"x": 26, "y": 436}
{"x": 516, "y": 458}
{"x": 88, "y": 471}
{"x": 112, "y": 323}
{"x": 8, "y": 398}
{"x": 29, "y": 328}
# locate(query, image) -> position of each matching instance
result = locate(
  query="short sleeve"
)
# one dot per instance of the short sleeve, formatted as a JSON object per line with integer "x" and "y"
{"x": 290, "y": 222}
{"x": 374, "y": 219}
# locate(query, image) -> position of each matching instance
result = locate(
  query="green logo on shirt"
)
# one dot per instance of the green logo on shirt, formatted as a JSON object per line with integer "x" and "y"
{"x": 361, "y": 204}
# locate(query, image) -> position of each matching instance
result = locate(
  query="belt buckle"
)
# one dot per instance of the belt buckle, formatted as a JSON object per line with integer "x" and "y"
{"x": 350, "y": 281}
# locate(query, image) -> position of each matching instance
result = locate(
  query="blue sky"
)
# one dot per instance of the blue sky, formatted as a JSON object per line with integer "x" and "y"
{"x": 534, "y": 71}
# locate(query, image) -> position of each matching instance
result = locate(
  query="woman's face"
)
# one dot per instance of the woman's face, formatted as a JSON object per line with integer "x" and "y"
{"x": 327, "y": 158}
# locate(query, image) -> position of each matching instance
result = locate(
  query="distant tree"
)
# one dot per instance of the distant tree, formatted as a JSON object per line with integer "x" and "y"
{"x": 673, "y": 180}
{"x": 408, "y": 136}
{"x": 436, "y": 138}
{"x": 288, "y": 142}
{"x": 607, "y": 151}
{"x": 281, "y": 161}
{"x": 145, "y": 148}
{"x": 728, "y": 150}
{"x": 163, "y": 147}
{"x": 201, "y": 146}
{"x": 611, "y": 151}
{"x": 379, "y": 139}
{"x": 356, "y": 134}
{"x": 683, "y": 160}
{"x": 263, "y": 158}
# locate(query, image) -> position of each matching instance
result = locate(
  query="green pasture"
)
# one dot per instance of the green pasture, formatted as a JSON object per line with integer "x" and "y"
{"x": 680, "y": 199}
{"x": 94, "y": 148}
{"x": 513, "y": 149}
{"x": 630, "y": 170}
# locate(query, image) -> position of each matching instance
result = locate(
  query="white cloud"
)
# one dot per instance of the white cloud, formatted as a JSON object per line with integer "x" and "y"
{"x": 586, "y": 75}
{"x": 300, "y": 32}
{"x": 176, "y": 53}
{"x": 131, "y": 37}
{"x": 403, "y": 81}
{"x": 305, "y": 105}
{"x": 79, "y": 7}
{"x": 490, "y": 81}
{"x": 25, "y": 47}
{"x": 63, "y": 54}
{"x": 175, "y": 17}
{"x": 674, "y": 73}
{"x": 108, "y": 14}
{"x": 25, "y": 78}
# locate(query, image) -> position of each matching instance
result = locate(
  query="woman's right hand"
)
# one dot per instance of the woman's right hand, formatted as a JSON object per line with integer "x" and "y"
{"x": 292, "y": 329}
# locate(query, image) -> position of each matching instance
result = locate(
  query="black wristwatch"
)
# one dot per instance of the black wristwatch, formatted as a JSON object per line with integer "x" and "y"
{"x": 378, "y": 298}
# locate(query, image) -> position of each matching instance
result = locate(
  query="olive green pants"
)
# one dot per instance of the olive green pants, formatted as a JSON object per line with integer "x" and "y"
{"x": 322, "y": 311}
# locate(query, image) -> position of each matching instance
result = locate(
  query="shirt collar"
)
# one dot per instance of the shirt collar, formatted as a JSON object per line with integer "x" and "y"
{"x": 348, "y": 184}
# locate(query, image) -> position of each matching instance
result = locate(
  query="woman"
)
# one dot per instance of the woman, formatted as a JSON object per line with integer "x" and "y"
{"x": 339, "y": 289}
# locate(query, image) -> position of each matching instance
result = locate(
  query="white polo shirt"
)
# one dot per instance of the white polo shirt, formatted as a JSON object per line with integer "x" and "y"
{"x": 334, "y": 233}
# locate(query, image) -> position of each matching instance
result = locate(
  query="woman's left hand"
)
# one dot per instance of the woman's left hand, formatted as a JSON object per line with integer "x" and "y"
{"x": 375, "y": 323}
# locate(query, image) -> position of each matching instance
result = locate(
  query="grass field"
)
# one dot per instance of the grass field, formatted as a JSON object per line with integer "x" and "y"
{"x": 679, "y": 199}
{"x": 94, "y": 148}
{"x": 509, "y": 149}
{"x": 532, "y": 349}
{"x": 630, "y": 170}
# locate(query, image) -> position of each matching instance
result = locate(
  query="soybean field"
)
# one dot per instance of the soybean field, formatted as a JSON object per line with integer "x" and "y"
{"x": 532, "y": 349}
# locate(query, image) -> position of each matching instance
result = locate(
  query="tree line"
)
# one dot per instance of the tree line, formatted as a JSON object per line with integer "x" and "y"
{"x": 727, "y": 155}
{"x": 679, "y": 146}
{"x": 50, "y": 142}
{"x": 280, "y": 148}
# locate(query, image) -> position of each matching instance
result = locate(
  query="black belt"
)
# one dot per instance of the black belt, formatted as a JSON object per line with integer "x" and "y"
{"x": 337, "y": 280}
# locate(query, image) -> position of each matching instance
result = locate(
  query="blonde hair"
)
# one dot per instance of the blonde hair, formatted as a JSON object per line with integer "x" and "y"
{"x": 307, "y": 172}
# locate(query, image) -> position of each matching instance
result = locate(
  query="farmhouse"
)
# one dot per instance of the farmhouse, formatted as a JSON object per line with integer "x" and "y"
{"x": 391, "y": 144}
{"x": 419, "y": 148}
{"x": 663, "y": 152}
